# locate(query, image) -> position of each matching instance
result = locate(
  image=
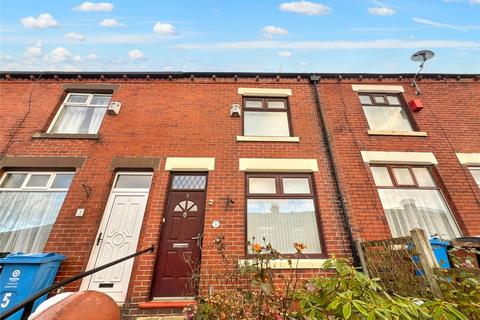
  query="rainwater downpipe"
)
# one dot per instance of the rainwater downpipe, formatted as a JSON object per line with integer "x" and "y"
{"x": 343, "y": 207}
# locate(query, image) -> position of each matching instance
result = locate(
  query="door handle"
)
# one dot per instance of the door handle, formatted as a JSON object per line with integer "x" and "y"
{"x": 99, "y": 238}
{"x": 198, "y": 238}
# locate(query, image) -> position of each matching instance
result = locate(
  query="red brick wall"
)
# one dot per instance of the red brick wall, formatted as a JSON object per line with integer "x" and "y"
{"x": 161, "y": 118}
{"x": 451, "y": 119}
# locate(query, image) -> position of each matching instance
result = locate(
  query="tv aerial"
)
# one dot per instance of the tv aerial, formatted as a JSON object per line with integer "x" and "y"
{"x": 420, "y": 56}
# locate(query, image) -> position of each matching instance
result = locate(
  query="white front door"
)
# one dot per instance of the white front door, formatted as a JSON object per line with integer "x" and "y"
{"x": 118, "y": 235}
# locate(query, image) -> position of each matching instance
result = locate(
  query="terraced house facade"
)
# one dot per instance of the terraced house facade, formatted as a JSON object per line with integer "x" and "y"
{"x": 97, "y": 166}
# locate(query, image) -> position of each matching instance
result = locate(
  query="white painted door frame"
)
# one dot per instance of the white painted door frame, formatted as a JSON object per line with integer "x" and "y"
{"x": 115, "y": 192}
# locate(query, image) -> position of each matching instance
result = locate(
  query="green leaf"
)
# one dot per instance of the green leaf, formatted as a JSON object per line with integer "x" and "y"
{"x": 360, "y": 306}
{"x": 457, "y": 313}
{"x": 347, "y": 310}
{"x": 371, "y": 316}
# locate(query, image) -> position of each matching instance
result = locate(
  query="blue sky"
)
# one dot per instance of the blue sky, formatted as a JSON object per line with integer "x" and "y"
{"x": 247, "y": 35}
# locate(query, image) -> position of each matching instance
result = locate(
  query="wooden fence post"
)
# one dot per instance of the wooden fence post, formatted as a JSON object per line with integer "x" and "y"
{"x": 427, "y": 260}
{"x": 358, "y": 245}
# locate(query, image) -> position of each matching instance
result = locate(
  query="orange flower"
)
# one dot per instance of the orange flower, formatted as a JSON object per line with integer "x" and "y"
{"x": 256, "y": 247}
{"x": 299, "y": 246}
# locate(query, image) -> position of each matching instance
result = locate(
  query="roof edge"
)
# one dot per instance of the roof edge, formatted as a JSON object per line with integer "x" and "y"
{"x": 179, "y": 74}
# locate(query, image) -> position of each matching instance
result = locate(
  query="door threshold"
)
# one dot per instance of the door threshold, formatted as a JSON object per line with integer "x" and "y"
{"x": 167, "y": 302}
{"x": 173, "y": 298}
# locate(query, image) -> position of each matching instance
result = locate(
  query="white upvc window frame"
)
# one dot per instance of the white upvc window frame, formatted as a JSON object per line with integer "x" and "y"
{"x": 470, "y": 170}
{"x": 86, "y": 104}
{"x": 46, "y": 188}
{"x": 131, "y": 173}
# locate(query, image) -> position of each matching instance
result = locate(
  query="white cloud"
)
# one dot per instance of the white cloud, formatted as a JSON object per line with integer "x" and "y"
{"x": 324, "y": 45}
{"x": 92, "y": 57}
{"x": 73, "y": 36}
{"x": 381, "y": 11}
{"x": 5, "y": 57}
{"x": 270, "y": 31}
{"x": 58, "y": 55}
{"x": 438, "y": 24}
{"x": 111, "y": 23}
{"x": 33, "y": 52}
{"x": 136, "y": 54}
{"x": 474, "y": 2}
{"x": 305, "y": 7}
{"x": 285, "y": 54}
{"x": 88, "y": 6}
{"x": 164, "y": 28}
{"x": 44, "y": 20}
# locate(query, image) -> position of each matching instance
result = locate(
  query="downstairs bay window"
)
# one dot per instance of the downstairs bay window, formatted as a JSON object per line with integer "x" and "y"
{"x": 281, "y": 209}
{"x": 411, "y": 199}
{"x": 29, "y": 205}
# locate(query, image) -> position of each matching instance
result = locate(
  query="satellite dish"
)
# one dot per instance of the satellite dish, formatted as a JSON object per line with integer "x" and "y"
{"x": 422, "y": 55}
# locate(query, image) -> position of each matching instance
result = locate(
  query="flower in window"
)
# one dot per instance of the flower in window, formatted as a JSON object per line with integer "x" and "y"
{"x": 299, "y": 247}
{"x": 256, "y": 248}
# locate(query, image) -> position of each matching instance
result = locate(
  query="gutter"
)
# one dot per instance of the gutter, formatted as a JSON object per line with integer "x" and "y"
{"x": 343, "y": 207}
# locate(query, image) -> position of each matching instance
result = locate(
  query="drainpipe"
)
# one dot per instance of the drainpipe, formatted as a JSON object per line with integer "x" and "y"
{"x": 346, "y": 221}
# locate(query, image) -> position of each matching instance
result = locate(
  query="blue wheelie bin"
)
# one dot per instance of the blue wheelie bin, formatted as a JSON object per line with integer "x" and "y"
{"x": 24, "y": 274}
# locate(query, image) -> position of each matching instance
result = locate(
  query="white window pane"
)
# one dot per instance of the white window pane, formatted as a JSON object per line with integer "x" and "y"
{"x": 365, "y": 99}
{"x": 79, "y": 120}
{"x": 272, "y": 104}
{"x": 381, "y": 176}
{"x": 476, "y": 175}
{"x": 379, "y": 99}
{"x": 387, "y": 118}
{"x": 13, "y": 180}
{"x": 253, "y": 104}
{"x": 261, "y": 185}
{"x": 100, "y": 100}
{"x": 38, "y": 180}
{"x": 296, "y": 185}
{"x": 133, "y": 181}
{"x": 424, "y": 178}
{"x": 407, "y": 209}
{"x": 393, "y": 100}
{"x": 78, "y": 98}
{"x": 282, "y": 222}
{"x": 403, "y": 176}
{"x": 273, "y": 124}
{"x": 26, "y": 219}
{"x": 62, "y": 181}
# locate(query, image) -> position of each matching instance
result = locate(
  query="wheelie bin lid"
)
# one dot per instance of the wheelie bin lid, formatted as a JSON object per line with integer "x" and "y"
{"x": 439, "y": 242}
{"x": 32, "y": 258}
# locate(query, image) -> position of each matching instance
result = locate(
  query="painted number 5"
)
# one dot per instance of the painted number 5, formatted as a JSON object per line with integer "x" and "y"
{"x": 6, "y": 300}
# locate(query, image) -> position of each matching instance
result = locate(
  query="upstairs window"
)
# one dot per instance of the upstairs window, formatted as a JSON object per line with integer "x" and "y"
{"x": 475, "y": 171}
{"x": 266, "y": 117}
{"x": 29, "y": 205}
{"x": 281, "y": 209}
{"x": 385, "y": 112}
{"x": 411, "y": 199}
{"x": 80, "y": 113}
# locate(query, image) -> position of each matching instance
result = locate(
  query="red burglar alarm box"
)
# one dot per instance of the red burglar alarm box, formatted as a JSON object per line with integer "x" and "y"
{"x": 415, "y": 105}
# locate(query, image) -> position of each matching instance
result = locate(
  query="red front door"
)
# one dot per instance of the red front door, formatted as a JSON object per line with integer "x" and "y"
{"x": 179, "y": 252}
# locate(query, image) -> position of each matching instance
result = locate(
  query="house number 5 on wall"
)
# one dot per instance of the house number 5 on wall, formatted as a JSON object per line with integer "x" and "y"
{"x": 6, "y": 300}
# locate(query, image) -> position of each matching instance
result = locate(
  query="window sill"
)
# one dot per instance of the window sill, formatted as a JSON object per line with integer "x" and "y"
{"x": 90, "y": 136}
{"x": 397, "y": 133}
{"x": 268, "y": 139}
{"x": 283, "y": 264}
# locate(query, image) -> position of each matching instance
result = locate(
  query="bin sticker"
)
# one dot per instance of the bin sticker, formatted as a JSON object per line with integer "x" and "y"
{"x": 13, "y": 281}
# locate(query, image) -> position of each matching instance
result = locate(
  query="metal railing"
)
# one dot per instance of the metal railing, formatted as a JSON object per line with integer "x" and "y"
{"x": 27, "y": 304}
